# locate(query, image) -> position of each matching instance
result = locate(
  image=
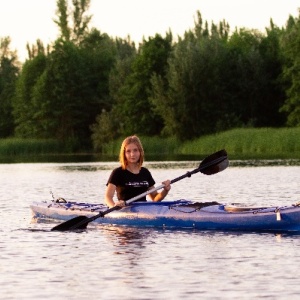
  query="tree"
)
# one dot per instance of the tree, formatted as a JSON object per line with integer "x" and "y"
{"x": 39, "y": 48}
{"x": 67, "y": 93}
{"x": 290, "y": 44}
{"x": 138, "y": 115}
{"x": 245, "y": 77}
{"x": 9, "y": 71}
{"x": 190, "y": 98}
{"x": 271, "y": 94}
{"x": 78, "y": 28}
{"x": 68, "y": 87}
{"x": 109, "y": 124}
{"x": 25, "y": 110}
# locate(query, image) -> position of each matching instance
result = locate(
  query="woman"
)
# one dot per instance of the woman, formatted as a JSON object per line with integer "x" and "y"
{"x": 131, "y": 179}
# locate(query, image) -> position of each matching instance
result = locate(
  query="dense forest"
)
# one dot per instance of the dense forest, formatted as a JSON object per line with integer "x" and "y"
{"x": 86, "y": 88}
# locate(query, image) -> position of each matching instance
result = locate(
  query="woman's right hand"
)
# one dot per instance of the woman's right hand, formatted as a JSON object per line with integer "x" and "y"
{"x": 120, "y": 203}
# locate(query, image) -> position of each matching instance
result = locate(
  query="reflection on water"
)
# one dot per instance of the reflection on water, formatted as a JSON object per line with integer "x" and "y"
{"x": 127, "y": 241}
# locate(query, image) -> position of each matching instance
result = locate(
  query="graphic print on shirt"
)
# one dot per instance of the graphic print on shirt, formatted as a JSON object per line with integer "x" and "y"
{"x": 138, "y": 184}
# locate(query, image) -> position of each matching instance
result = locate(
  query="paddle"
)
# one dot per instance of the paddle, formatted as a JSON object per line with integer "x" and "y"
{"x": 212, "y": 164}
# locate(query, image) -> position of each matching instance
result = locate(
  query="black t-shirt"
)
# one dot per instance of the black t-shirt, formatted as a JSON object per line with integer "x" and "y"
{"x": 129, "y": 184}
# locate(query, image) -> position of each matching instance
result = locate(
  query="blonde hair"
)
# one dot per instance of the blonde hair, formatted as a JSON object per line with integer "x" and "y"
{"x": 131, "y": 140}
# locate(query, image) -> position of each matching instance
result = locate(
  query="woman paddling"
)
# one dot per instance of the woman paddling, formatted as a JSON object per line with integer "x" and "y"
{"x": 131, "y": 178}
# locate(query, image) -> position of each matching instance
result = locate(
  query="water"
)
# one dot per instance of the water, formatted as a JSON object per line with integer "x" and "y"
{"x": 128, "y": 263}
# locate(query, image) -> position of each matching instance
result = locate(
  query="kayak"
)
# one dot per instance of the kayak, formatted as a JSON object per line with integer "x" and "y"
{"x": 178, "y": 214}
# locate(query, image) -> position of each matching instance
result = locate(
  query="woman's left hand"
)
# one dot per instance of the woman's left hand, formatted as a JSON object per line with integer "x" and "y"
{"x": 167, "y": 185}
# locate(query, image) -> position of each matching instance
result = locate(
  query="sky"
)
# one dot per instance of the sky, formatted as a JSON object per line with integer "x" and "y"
{"x": 25, "y": 21}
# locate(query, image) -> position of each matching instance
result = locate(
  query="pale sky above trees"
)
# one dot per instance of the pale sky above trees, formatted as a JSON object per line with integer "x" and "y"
{"x": 27, "y": 21}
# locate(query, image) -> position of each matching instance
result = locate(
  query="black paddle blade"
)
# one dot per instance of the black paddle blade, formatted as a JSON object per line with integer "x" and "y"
{"x": 214, "y": 163}
{"x": 75, "y": 223}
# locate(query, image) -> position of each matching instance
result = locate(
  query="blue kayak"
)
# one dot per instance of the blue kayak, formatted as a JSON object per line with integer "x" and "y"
{"x": 178, "y": 214}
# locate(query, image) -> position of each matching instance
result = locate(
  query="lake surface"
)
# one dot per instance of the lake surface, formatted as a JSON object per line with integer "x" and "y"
{"x": 130, "y": 263}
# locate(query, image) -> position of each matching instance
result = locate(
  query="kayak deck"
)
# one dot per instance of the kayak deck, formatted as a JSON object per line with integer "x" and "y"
{"x": 178, "y": 214}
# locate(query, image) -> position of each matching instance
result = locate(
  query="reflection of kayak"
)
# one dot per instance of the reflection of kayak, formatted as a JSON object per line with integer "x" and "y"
{"x": 178, "y": 214}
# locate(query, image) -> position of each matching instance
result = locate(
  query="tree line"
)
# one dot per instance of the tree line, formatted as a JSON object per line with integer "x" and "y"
{"x": 86, "y": 88}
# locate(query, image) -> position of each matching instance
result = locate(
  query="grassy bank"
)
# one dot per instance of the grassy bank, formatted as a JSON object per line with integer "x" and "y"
{"x": 247, "y": 143}
{"x": 244, "y": 143}
{"x": 16, "y": 146}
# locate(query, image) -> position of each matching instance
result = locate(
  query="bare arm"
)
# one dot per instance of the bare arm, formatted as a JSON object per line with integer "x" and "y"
{"x": 156, "y": 197}
{"x": 109, "y": 195}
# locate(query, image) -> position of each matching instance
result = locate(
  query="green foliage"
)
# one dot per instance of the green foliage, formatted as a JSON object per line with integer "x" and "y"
{"x": 62, "y": 21}
{"x": 9, "y": 71}
{"x": 59, "y": 95}
{"x": 26, "y": 112}
{"x": 291, "y": 72}
{"x": 246, "y": 82}
{"x": 135, "y": 108}
{"x": 109, "y": 123}
{"x": 78, "y": 28}
{"x": 35, "y": 50}
{"x": 104, "y": 130}
{"x": 271, "y": 91}
{"x": 190, "y": 100}
{"x": 80, "y": 19}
